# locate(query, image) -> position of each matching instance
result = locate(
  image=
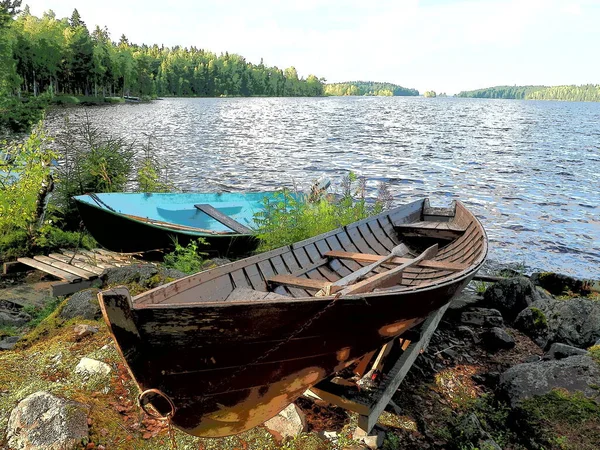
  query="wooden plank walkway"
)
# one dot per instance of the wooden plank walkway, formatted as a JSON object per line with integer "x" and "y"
{"x": 77, "y": 269}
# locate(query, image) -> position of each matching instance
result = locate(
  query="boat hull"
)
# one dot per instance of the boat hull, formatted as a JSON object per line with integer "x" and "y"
{"x": 122, "y": 234}
{"x": 229, "y": 363}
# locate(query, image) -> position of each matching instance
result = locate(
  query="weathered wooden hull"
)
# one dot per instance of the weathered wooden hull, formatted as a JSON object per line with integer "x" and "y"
{"x": 229, "y": 365}
{"x": 122, "y": 234}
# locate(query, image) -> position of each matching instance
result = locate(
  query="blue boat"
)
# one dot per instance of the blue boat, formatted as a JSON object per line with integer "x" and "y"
{"x": 138, "y": 222}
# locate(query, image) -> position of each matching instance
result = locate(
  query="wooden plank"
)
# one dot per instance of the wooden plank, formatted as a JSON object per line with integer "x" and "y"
{"x": 395, "y": 376}
{"x": 372, "y": 240}
{"x": 113, "y": 255}
{"x": 360, "y": 273}
{"x": 49, "y": 269}
{"x": 290, "y": 280}
{"x": 440, "y": 230}
{"x": 389, "y": 278}
{"x": 86, "y": 275}
{"x": 77, "y": 263}
{"x": 281, "y": 269}
{"x": 364, "y": 257}
{"x": 361, "y": 367}
{"x": 225, "y": 220}
{"x": 381, "y": 235}
{"x": 88, "y": 259}
{"x": 64, "y": 288}
{"x": 239, "y": 279}
{"x": 254, "y": 276}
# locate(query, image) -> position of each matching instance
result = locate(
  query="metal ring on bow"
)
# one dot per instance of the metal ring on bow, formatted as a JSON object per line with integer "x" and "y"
{"x": 154, "y": 412}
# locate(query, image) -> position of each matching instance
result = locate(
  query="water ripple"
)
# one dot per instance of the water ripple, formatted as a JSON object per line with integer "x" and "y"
{"x": 529, "y": 170}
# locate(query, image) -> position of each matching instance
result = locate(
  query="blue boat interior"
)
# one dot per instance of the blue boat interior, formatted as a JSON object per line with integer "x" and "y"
{"x": 179, "y": 209}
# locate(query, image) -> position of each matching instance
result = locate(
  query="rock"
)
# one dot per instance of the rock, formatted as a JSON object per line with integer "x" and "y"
{"x": 464, "y": 300}
{"x": 467, "y": 333}
{"x": 172, "y": 273}
{"x": 89, "y": 366}
{"x": 511, "y": 296}
{"x": 560, "y": 351}
{"x": 482, "y": 317}
{"x": 597, "y": 342}
{"x": 356, "y": 447}
{"x": 575, "y": 373}
{"x": 288, "y": 423}
{"x": 82, "y": 304}
{"x": 496, "y": 339}
{"x": 374, "y": 441}
{"x": 329, "y": 435}
{"x": 46, "y": 422}
{"x": 573, "y": 322}
{"x": 134, "y": 273}
{"x": 9, "y": 342}
{"x": 532, "y": 321}
{"x": 488, "y": 379}
{"x": 13, "y": 318}
{"x": 83, "y": 330}
{"x": 532, "y": 358}
{"x": 559, "y": 284}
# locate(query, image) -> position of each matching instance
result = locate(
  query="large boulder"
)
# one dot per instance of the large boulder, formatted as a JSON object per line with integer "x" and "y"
{"x": 574, "y": 322}
{"x": 46, "y": 422}
{"x": 510, "y": 296}
{"x": 575, "y": 373}
{"x": 146, "y": 275}
{"x": 134, "y": 273}
{"x": 83, "y": 304}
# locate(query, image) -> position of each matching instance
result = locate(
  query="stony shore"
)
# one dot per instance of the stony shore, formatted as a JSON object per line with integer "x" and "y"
{"x": 516, "y": 366}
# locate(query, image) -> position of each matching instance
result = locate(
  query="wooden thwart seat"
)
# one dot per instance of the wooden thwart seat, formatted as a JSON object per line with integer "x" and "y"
{"x": 222, "y": 218}
{"x": 433, "y": 229}
{"x": 426, "y": 263}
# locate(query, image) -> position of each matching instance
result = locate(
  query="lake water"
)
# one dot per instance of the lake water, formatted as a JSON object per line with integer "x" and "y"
{"x": 530, "y": 170}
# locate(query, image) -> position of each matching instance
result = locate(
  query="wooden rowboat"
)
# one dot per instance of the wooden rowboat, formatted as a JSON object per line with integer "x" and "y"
{"x": 226, "y": 349}
{"x": 136, "y": 222}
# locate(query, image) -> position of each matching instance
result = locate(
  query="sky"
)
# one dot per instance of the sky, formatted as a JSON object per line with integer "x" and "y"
{"x": 441, "y": 45}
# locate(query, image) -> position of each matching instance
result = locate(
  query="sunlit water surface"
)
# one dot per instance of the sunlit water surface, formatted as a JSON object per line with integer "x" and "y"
{"x": 529, "y": 170}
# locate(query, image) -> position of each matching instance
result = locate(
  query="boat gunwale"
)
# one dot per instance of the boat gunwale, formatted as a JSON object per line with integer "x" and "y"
{"x": 452, "y": 278}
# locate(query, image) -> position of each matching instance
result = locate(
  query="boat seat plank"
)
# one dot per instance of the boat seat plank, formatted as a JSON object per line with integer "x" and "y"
{"x": 292, "y": 281}
{"x": 365, "y": 257}
{"x": 86, "y": 275}
{"x": 434, "y": 229}
{"x": 63, "y": 275}
{"x": 222, "y": 218}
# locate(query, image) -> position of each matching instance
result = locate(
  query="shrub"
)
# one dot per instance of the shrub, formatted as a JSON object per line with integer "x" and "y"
{"x": 92, "y": 162}
{"x": 186, "y": 259}
{"x": 290, "y": 217}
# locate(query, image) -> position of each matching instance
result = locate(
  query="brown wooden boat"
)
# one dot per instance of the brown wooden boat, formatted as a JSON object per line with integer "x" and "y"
{"x": 226, "y": 349}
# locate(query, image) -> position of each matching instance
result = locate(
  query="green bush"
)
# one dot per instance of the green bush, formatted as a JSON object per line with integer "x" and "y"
{"x": 290, "y": 217}
{"x": 188, "y": 259}
{"x": 39, "y": 313}
{"x": 19, "y": 115}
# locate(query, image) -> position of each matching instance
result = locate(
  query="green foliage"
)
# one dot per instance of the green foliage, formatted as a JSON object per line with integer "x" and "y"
{"x": 430, "y": 94}
{"x": 367, "y": 88}
{"x": 583, "y": 93}
{"x": 52, "y": 238}
{"x": 21, "y": 181}
{"x": 48, "y": 54}
{"x": 39, "y": 313}
{"x": 595, "y": 353}
{"x": 539, "y": 318}
{"x": 92, "y": 162}
{"x": 19, "y": 115}
{"x": 188, "y": 259}
{"x": 560, "y": 419}
{"x": 512, "y": 92}
{"x": 290, "y": 217}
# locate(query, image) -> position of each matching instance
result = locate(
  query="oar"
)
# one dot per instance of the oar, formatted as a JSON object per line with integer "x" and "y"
{"x": 399, "y": 250}
{"x": 389, "y": 278}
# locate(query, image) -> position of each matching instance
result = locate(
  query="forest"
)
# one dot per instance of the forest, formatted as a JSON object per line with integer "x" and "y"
{"x": 583, "y": 93}
{"x": 367, "y": 88}
{"x": 61, "y": 56}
